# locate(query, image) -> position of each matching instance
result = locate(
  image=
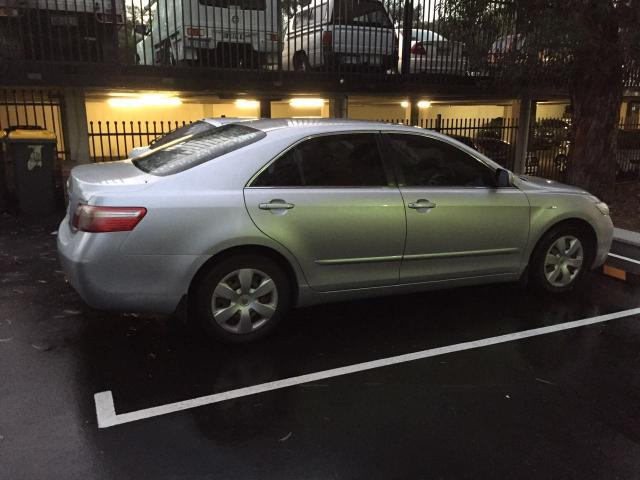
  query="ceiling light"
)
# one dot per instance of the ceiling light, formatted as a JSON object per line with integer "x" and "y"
{"x": 242, "y": 103}
{"x": 146, "y": 100}
{"x": 424, "y": 104}
{"x": 404, "y": 104}
{"x": 307, "y": 102}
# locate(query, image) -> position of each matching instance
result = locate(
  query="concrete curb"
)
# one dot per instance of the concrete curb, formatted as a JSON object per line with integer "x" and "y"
{"x": 623, "y": 262}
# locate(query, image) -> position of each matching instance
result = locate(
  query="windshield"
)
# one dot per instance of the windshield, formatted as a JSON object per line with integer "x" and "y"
{"x": 360, "y": 12}
{"x": 193, "y": 148}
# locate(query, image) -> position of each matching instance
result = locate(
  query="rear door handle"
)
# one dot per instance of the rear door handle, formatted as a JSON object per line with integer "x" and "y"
{"x": 276, "y": 205}
{"x": 421, "y": 204}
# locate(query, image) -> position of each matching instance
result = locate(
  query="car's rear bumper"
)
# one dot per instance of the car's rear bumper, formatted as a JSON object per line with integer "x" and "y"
{"x": 106, "y": 279}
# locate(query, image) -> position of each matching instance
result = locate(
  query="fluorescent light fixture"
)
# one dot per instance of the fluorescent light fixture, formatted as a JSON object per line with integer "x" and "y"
{"x": 404, "y": 104}
{"x": 307, "y": 102}
{"x": 145, "y": 100}
{"x": 424, "y": 104}
{"x": 242, "y": 103}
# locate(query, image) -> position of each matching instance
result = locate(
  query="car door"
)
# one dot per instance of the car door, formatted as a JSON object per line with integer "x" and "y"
{"x": 329, "y": 200}
{"x": 459, "y": 224}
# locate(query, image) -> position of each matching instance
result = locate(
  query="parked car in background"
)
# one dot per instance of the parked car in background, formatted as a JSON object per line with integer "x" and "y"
{"x": 220, "y": 33}
{"x": 433, "y": 53}
{"x": 81, "y": 30}
{"x": 242, "y": 221}
{"x": 504, "y": 47}
{"x": 349, "y": 34}
{"x": 628, "y": 154}
{"x": 550, "y": 133}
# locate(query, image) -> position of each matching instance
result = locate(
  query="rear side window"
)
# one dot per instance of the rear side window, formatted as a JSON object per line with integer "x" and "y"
{"x": 369, "y": 13}
{"x": 192, "y": 149}
{"x": 349, "y": 160}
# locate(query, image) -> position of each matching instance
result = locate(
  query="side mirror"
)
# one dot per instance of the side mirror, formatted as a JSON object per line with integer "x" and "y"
{"x": 502, "y": 178}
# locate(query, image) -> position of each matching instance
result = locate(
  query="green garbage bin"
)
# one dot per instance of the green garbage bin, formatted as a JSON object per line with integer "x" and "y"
{"x": 29, "y": 155}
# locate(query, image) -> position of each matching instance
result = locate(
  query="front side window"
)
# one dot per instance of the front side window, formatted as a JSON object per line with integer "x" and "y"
{"x": 193, "y": 148}
{"x": 349, "y": 160}
{"x": 428, "y": 162}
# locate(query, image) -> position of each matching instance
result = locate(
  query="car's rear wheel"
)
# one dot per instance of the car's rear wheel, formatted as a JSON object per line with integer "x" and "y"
{"x": 243, "y": 298}
{"x": 561, "y": 258}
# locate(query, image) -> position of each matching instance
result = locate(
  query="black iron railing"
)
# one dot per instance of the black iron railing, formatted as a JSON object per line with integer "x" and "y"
{"x": 115, "y": 140}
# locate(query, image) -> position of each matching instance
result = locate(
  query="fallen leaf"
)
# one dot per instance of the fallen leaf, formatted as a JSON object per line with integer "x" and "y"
{"x": 42, "y": 347}
{"x": 71, "y": 312}
{"x": 286, "y": 437}
{"x": 6, "y": 339}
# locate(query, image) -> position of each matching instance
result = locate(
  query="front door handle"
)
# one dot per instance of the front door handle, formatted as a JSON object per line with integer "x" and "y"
{"x": 421, "y": 204}
{"x": 276, "y": 204}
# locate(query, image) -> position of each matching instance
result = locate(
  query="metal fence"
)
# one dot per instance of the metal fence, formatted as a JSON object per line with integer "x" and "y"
{"x": 33, "y": 108}
{"x": 114, "y": 140}
{"x": 391, "y": 39}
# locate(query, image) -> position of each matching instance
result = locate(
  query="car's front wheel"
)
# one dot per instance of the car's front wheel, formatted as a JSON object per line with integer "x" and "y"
{"x": 242, "y": 298}
{"x": 561, "y": 258}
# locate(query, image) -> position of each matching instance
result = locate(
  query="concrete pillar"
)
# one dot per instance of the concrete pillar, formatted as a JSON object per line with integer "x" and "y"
{"x": 74, "y": 126}
{"x": 525, "y": 111}
{"x": 265, "y": 108}
{"x": 414, "y": 116}
{"x": 339, "y": 107}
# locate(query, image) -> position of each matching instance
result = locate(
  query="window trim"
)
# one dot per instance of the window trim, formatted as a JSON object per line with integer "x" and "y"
{"x": 389, "y": 171}
{"x": 400, "y": 175}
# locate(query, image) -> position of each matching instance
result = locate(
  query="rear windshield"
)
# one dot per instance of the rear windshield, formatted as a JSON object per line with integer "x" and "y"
{"x": 191, "y": 129}
{"x": 360, "y": 12}
{"x": 187, "y": 151}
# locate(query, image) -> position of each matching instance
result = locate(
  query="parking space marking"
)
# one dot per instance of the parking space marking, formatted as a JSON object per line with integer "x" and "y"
{"x": 107, "y": 416}
{"x": 626, "y": 259}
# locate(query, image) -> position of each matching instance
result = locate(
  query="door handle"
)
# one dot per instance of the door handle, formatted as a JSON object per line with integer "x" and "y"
{"x": 421, "y": 204}
{"x": 276, "y": 205}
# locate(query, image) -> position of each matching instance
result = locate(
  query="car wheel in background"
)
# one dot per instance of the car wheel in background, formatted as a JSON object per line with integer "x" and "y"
{"x": 242, "y": 298}
{"x": 561, "y": 258}
{"x": 301, "y": 62}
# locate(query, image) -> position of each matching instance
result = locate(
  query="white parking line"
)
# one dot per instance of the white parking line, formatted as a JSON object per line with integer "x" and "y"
{"x": 626, "y": 259}
{"x": 107, "y": 416}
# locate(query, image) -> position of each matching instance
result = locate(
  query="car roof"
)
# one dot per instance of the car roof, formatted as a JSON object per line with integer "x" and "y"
{"x": 321, "y": 124}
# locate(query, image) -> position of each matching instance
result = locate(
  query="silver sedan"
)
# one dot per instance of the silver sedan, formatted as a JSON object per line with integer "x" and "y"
{"x": 241, "y": 222}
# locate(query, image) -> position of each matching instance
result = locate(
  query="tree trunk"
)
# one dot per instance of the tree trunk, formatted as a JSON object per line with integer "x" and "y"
{"x": 592, "y": 158}
{"x": 596, "y": 96}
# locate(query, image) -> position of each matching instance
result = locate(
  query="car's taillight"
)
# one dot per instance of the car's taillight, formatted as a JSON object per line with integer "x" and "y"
{"x": 89, "y": 218}
{"x": 418, "y": 49}
{"x": 327, "y": 39}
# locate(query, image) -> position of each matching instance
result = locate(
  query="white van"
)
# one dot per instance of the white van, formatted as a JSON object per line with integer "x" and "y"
{"x": 215, "y": 33}
{"x": 343, "y": 33}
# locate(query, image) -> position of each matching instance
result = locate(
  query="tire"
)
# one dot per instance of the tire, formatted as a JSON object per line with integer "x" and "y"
{"x": 565, "y": 272}
{"x": 230, "y": 286}
{"x": 301, "y": 62}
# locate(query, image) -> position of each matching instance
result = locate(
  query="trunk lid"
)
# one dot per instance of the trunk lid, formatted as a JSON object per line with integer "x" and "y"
{"x": 88, "y": 181}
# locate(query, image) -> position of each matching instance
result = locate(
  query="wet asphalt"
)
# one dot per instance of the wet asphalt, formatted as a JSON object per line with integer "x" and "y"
{"x": 562, "y": 405}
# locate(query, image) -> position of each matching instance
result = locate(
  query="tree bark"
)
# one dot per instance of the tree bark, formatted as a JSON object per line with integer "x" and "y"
{"x": 592, "y": 157}
{"x": 596, "y": 95}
